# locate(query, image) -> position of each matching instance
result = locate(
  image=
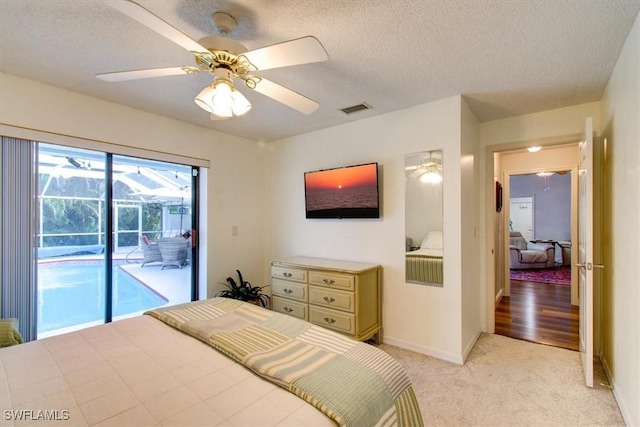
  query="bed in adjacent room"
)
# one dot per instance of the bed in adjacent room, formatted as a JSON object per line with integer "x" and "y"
{"x": 205, "y": 363}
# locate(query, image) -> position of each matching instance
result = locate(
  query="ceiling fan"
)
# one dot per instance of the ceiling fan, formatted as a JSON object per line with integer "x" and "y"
{"x": 428, "y": 167}
{"x": 226, "y": 60}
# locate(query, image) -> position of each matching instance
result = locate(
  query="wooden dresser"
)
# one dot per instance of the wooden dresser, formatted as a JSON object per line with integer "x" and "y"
{"x": 339, "y": 295}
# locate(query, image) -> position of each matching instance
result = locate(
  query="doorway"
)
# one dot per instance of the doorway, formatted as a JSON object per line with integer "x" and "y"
{"x": 521, "y": 216}
{"x": 536, "y": 303}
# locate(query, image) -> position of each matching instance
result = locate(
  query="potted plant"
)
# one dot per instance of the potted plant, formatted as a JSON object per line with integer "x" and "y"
{"x": 244, "y": 291}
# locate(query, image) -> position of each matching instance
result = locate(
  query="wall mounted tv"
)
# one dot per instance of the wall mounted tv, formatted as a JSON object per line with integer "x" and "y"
{"x": 346, "y": 192}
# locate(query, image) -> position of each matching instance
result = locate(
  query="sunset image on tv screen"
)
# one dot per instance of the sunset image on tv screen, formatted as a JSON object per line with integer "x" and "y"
{"x": 350, "y": 192}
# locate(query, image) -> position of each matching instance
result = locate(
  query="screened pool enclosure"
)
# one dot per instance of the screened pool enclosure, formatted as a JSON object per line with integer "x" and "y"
{"x": 149, "y": 198}
{"x": 85, "y": 196}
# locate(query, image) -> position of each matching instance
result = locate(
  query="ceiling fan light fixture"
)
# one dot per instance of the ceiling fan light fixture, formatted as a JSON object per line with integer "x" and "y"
{"x": 202, "y": 99}
{"x": 226, "y": 59}
{"x": 241, "y": 105}
{"x": 221, "y": 98}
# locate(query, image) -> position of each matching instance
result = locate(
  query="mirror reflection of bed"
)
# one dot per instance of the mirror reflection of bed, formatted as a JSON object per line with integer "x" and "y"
{"x": 423, "y": 218}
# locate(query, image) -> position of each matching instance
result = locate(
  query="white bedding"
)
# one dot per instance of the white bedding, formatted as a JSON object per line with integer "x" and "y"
{"x": 426, "y": 252}
{"x": 139, "y": 372}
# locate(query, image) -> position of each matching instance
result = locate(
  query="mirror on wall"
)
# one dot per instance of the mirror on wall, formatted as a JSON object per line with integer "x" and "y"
{"x": 423, "y": 218}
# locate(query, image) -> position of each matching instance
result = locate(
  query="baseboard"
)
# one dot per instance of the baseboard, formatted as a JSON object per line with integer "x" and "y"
{"x": 449, "y": 357}
{"x": 607, "y": 370}
{"x": 616, "y": 394}
{"x": 626, "y": 415}
{"x": 469, "y": 346}
{"x": 499, "y": 296}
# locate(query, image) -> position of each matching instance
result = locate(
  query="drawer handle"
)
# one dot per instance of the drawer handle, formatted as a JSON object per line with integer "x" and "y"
{"x": 287, "y": 309}
{"x": 285, "y": 274}
{"x": 330, "y": 321}
{"x": 329, "y": 299}
{"x": 329, "y": 281}
{"x": 287, "y": 291}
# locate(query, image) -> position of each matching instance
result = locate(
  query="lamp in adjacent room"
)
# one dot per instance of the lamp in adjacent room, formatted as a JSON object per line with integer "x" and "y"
{"x": 545, "y": 176}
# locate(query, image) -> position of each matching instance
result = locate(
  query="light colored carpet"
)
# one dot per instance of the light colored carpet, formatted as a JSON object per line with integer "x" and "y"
{"x": 508, "y": 382}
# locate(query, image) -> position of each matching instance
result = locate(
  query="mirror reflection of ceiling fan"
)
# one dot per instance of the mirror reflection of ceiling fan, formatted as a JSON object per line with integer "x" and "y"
{"x": 427, "y": 167}
{"x": 226, "y": 60}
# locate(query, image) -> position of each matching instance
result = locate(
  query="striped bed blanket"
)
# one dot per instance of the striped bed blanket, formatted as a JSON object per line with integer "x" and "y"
{"x": 353, "y": 383}
{"x": 424, "y": 268}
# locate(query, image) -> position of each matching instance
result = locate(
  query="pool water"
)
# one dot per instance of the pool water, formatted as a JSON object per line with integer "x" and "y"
{"x": 71, "y": 294}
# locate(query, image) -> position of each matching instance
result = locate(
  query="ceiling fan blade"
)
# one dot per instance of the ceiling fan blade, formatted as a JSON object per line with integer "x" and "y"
{"x": 148, "y": 19}
{"x": 120, "y": 76}
{"x": 293, "y": 52}
{"x": 286, "y": 96}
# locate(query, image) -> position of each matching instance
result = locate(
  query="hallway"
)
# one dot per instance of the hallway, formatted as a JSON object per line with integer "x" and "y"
{"x": 540, "y": 313}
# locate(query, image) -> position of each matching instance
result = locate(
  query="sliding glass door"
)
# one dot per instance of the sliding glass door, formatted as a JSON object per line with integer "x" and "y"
{"x": 71, "y": 288}
{"x": 146, "y": 208}
{"x": 152, "y": 226}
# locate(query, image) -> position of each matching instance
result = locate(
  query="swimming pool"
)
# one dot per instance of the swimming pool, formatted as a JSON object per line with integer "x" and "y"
{"x": 73, "y": 293}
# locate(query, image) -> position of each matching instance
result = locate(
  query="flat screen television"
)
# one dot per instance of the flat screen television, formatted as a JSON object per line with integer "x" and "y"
{"x": 345, "y": 192}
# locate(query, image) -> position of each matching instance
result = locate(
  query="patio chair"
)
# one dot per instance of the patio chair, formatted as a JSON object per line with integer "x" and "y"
{"x": 173, "y": 251}
{"x": 150, "y": 251}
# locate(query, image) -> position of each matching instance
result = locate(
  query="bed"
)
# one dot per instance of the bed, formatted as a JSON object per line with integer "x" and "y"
{"x": 211, "y": 362}
{"x": 424, "y": 265}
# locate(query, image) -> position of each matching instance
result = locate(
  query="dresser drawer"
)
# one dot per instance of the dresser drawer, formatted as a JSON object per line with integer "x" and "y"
{"x": 332, "y": 298}
{"x": 292, "y": 308}
{"x": 293, "y": 290}
{"x": 333, "y": 319}
{"x": 288, "y": 273}
{"x": 332, "y": 280}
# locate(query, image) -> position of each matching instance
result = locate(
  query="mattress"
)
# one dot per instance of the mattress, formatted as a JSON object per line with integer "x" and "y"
{"x": 140, "y": 372}
{"x": 204, "y": 363}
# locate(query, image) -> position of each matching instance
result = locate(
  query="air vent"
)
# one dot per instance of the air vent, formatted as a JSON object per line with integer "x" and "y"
{"x": 355, "y": 108}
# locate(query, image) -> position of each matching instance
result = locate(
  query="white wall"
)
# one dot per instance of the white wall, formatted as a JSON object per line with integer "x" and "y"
{"x": 234, "y": 195}
{"x": 471, "y": 292}
{"x": 543, "y": 127}
{"x": 621, "y": 121}
{"x": 423, "y": 318}
{"x": 559, "y": 157}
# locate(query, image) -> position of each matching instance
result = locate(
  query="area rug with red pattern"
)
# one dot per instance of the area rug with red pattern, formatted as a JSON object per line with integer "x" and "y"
{"x": 554, "y": 276}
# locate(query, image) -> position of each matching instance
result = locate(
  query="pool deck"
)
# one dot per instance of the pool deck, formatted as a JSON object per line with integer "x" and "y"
{"x": 174, "y": 284}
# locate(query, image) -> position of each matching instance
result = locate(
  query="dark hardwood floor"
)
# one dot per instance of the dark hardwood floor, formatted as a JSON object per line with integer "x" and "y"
{"x": 539, "y": 312}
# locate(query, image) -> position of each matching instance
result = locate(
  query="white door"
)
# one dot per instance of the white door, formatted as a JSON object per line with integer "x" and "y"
{"x": 585, "y": 251}
{"x": 521, "y": 216}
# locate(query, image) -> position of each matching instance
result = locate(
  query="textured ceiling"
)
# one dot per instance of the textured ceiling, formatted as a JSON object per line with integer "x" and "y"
{"x": 508, "y": 57}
